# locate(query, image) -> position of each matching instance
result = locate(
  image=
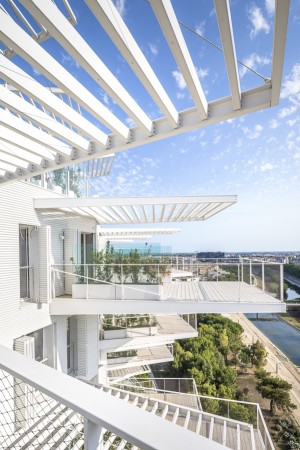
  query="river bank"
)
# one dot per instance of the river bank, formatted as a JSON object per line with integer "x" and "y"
{"x": 277, "y": 361}
{"x": 292, "y": 319}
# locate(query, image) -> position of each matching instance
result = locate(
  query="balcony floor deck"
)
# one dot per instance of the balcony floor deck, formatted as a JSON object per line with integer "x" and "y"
{"x": 184, "y": 297}
{"x": 173, "y": 324}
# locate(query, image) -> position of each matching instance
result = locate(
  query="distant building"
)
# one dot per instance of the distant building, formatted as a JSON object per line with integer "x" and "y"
{"x": 209, "y": 255}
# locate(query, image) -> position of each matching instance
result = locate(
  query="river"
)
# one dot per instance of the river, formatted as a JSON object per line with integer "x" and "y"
{"x": 283, "y": 335}
{"x": 293, "y": 292}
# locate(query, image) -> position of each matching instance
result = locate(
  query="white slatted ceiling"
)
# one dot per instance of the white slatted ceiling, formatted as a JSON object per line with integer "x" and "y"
{"x": 141, "y": 210}
{"x": 68, "y": 110}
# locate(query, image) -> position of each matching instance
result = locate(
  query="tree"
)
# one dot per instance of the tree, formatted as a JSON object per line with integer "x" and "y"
{"x": 259, "y": 354}
{"x": 276, "y": 390}
{"x": 245, "y": 356}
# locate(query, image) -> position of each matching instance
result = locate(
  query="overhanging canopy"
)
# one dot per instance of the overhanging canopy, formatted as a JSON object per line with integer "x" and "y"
{"x": 43, "y": 127}
{"x": 135, "y": 210}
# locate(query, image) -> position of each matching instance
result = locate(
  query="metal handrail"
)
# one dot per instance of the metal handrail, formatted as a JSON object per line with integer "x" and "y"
{"x": 259, "y": 415}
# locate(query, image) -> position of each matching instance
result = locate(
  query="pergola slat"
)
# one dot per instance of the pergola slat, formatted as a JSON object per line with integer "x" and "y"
{"x": 225, "y": 26}
{"x": 61, "y": 29}
{"x": 110, "y": 19}
{"x": 20, "y": 106}
{"x": 280, "y": 31}
{"x": 168, "y": 21}
{"x": 13, "y": 35}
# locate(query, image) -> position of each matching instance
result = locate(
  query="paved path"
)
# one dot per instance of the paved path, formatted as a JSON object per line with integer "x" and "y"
{"x": 277, "y": 362}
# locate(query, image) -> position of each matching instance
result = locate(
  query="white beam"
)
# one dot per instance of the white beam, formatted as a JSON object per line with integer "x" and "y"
{"x": 25, "y": 83}
{"x": 167, "y": 19}
{"x": 20, "y": 106}
{"x": 21, "y": 153}
{"x": 115, "y": 27}
{"x": 60, "y": 28}
{"x": 69, "y": 306}
{"x": 99, "y": 202}
{"x": 280, "y": 30}
{"x": 117, "y": 231}
{"x": 15, "y": 37}
{"x": 13, "y": 159}
{"x": 13, "y": 122}
{"x": 225, "y": 26}
{"x": 20, "y": 140}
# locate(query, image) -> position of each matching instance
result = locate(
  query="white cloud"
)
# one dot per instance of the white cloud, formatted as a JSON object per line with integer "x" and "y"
{"x": 69, "y": 60}
{"x": 217, "y": 139}
{"x": 267, "y": 166}
{"x": 191, "y": 138}
{"x": 131, "y": 123}
{"x": 284, "y": 112}
{"x": 258, "y": 21}
{"x": 253, "y": 133}
{"x": 179, "y": 79}
{"x": 292, "y": 122}
{"x": 180, "y": 95}
{"x": 270, "y": 6}
{"x": 274, "y": 124}
{"x": 121, "y": 6}
{"x": 200, "y": 28}
{"x": 202, "y": 73}
{"x": 291, "y": 84}
{"x": 254, "y": 61}
{"x": 153, "y": 49}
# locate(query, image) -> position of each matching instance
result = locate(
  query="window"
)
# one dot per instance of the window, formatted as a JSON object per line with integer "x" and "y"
{"x": 25, "y": 270}
{"x": 38, "y": 344}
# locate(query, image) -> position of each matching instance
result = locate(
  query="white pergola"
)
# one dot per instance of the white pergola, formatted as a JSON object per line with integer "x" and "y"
{"x": 134, "y": 210}
{"x": 44, "y": 128}
{"x": 133, "y": 234}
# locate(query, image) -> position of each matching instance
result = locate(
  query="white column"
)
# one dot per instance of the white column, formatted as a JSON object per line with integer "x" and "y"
{"x": 92, "y": 435}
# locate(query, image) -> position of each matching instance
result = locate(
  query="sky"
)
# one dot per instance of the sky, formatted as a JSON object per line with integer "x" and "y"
{"x": 256, "y": 156}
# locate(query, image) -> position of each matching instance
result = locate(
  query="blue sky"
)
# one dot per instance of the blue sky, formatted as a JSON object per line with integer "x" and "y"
{"x": 256, "y": 157}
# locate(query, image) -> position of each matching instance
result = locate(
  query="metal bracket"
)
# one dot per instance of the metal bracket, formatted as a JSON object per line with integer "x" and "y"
{"x": 108, "y": 142}
{"x": 74, "y": 153}
{"x": 91, "y": 149}
{"x": 59, "y": 159}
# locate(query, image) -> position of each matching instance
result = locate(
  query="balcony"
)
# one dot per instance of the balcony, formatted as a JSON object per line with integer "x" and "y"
{"x": 138, "y": 331}
{"x": 203, "y": 287}
{"x": 138, "y": 357}
{"x": 43, "y": 408}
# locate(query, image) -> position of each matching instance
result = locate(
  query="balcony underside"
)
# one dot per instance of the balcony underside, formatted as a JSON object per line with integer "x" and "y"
{"x": 180, "y": 297}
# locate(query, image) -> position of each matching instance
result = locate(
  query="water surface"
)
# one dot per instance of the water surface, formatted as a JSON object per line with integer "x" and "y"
{"x": 283, "y": 335}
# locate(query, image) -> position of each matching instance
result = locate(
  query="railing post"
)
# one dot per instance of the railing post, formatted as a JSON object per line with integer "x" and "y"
{"x": 92, "y": 435}
{"x": 263, "y": 275}
{"x": 239, "y": 281}
{"x": 122, "y": 285}
{"x": 250, "y": 266}
{"x": 242, "y": 267}
{"x": 217, "y": 270}
{"x": 87, "y": 283}
{"x": 281, "y": 283}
